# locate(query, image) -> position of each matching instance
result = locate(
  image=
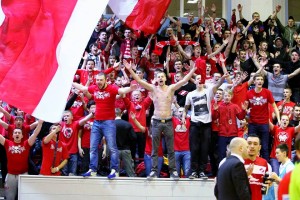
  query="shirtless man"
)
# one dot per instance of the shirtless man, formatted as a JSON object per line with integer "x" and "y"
{"x": 162, "y": 96}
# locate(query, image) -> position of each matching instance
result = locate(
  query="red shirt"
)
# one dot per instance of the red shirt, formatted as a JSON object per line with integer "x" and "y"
{"x": 255, "y": 180}
{"x": 215, "y": 122}
{"x": 48, "y": 156}
{"x": 86, "y": 134}
{"x": 17, "y": 156}
{"x": 25, "y": 132}
{"x": 283, "y": 187}
{"x": 240, "y": 94}
{"x": 105, "y": 101}
{"x": 69, "y": 136}
{"x": 258, "y": 102}
{"x": 282, "y": 136}
{"x": 139, "y": 109}
{"x": 287, "y": 108}
{"x": 181, "y": 135}
{"x": 227, "y": 114}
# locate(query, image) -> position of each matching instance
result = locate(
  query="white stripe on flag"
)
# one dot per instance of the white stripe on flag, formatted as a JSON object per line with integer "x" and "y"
{"x": 122, "y": 7}
{"x": 2, "y": 16}
{"x": 69, "y": 52}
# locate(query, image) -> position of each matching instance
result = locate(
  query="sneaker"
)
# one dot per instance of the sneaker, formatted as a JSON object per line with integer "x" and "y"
{"x": 193, "y": 175}
{"x": 89, "y": 173}
{"x": 113, "y": 174}
{"x": 174, "y": 175}
{"x": 202, "y": 175}
{"x": 152, "y": 175}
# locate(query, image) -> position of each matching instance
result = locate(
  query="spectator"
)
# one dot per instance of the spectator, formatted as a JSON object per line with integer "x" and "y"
{"x": 17, "y": 152}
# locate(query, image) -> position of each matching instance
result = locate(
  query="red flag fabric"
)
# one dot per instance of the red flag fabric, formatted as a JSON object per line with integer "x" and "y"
{"x": 144, "y": 15}
{"x": 40, "y": 47}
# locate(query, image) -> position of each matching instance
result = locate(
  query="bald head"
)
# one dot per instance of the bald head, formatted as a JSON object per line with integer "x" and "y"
{"x": 239, "y": 146}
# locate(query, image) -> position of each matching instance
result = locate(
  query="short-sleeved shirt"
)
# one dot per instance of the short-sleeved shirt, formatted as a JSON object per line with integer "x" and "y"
{"x": 282, "y": 136}
{"x": 17, "y": 156}
{"x": 201, "y": 105}
{"x": 48, "y": 156}
{"x": 276, "y": 85}
{"x": 69, "y": 136}
{"x": 105, "y": 101}
{"x": 258, "y": 102}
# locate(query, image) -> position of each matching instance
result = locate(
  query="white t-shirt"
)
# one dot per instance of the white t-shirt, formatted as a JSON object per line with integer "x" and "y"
{"x": 200, "y": 105}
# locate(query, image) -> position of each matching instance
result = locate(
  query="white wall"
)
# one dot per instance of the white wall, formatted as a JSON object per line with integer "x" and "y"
{"x": 95, "y": 188}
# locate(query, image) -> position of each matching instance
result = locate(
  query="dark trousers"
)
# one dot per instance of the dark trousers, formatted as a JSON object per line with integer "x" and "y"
{"x": 222, "y": 146}
{"x": 262, "y": 130}
{"x": 213, "y": 152}
{"x": 139, "y": 145}
{"x": 200, "y": 135}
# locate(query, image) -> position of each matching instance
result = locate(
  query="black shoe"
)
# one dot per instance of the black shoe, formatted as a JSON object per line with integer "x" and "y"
{"x": 202, "y": 175}
{"x": 193, "y": 175}
{"x": 152, "y": 175}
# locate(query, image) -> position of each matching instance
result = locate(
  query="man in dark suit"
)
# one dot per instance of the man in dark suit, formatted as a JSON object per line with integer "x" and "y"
{"x": 232, "y": 179}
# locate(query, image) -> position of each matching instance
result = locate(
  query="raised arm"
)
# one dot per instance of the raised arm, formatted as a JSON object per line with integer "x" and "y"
{"x": 186, "y": 78}
{"x": 3, "y": 124}
{"x": 225, "y": 42}
{"x": 137, "y": 123}
{"x": 146, "y": 85}
{"x": 221, "y": 81}
{"x": 296, "y": 72}
{"x": 54, "y": 130}
{"x": 5, "y": 113}
{"x": 82, "y": 88}
{"x": 36, "y": 132}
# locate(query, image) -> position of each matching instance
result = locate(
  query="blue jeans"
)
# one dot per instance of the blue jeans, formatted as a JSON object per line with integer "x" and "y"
{"x": 262, "y": 130}
{"x": 148, "y": 164}
{"x": 71, "y": 167}
{"x": 183, "y": 158}
{"x": 275, "y": 165}
{"x": 106, "y": 128}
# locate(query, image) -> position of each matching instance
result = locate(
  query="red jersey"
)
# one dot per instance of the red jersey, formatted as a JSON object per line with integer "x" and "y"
{"x": 181, "y": 134}
{"x": 86, "y": 134}
{"x": 282, "y": 136}
{"x": 17, "y": 156}
{"x": 258, "y": 102}
{"x": 227, "y": 114}
{"x": 69, "y": 136}
{"x": 215, "y": 122}
{"x": 105, "y": 101}
{"x": 287, "y": 108}
{"x": 25, "y": 132}
{"x": 240, "y": 94}
{"x": 148, "y": 147}
{"x": 48, "y": 156}
{"x": 255, "y": 179}
{"x": 139, "y": 109}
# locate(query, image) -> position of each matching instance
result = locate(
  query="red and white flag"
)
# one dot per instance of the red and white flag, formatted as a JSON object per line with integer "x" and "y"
{"x": 144, "y": 15}
{"x": 41, "y": 44}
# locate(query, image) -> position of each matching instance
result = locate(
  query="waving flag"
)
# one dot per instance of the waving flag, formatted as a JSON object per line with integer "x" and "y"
{"x": 144, "y": 15}
{"x": 41, "y": 45}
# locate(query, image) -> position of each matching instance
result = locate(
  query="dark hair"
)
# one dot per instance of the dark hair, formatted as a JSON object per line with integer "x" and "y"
{"x": 90, "y": 103}
{"x": 254, "y": 135}
{"x": 283, "y": 148}
{"x": 297, "y": 142}
{"x": 118, "y": 112}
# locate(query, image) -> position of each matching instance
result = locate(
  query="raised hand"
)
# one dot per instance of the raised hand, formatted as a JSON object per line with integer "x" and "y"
{"x": 240, "y": 7}
{"x": 126, "y": 64}
{"x": 245, "y": 105}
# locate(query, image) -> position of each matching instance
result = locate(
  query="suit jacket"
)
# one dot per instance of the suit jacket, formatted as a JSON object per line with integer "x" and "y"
{"x": 232, "y": 181}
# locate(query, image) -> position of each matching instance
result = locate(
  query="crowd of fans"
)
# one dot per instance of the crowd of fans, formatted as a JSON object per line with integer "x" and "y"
{"x": 245, "y": 80}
